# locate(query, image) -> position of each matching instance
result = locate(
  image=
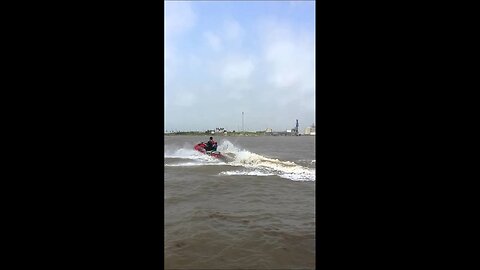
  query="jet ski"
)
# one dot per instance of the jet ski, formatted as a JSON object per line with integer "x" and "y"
{"x": 201, "y": 147}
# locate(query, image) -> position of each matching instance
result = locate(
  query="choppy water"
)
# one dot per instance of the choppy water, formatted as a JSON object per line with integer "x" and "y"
{"x": 255, "y": 212}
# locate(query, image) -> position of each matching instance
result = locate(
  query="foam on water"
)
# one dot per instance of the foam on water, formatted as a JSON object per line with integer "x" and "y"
{"x": 186, "y": 153}
{"x": 254, "y": 163}
{"x": 246, "y": 172}
{"x": 189, "y": 164}
{"x": 284, "y": 169}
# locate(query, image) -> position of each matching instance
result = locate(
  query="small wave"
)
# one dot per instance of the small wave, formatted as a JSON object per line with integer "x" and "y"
{"x": 181, "y": 153}
{"x": 251, "y": 173}
{"x": 188, "y": 164}
{"x": 284, "y": 169}
{"x": 299, "y": 177}
{"x": 188, "y": 154}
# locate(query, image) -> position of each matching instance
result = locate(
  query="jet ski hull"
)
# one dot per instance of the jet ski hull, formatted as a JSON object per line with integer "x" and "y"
{"x": 214, "y": 154}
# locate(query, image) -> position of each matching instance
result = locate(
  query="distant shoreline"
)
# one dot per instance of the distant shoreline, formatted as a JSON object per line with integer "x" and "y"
{"x": 218, "y": 135}
{"x": 236, "y": 134}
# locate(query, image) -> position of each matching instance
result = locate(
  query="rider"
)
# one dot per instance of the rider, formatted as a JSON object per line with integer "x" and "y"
{"x": 211, "y": 145}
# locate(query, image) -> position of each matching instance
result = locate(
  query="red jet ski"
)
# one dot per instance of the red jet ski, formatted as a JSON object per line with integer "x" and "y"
{"x": 201, "y": 147}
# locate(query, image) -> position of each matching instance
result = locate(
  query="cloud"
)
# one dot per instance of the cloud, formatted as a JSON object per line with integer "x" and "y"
{"x": 213, "y": 40}
{"x": 179, "y": 18}
{"x": 229, "y": 35}
{"x": 263, "y": 66}
{"x": 237, "y": 69}
{"x": 289, "y": 56}
{"x": 232, "y": 30}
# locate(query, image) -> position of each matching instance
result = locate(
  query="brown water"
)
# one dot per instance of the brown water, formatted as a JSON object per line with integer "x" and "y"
{"x": 255, "y": 212}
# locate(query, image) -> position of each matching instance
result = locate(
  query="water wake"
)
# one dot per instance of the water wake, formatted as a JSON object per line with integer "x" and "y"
{"x": 254, "y": 164}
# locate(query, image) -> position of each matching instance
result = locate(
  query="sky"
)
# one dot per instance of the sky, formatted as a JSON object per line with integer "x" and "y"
{"x": 223, "y": 58}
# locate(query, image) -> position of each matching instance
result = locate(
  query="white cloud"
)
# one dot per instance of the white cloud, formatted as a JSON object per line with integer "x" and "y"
{"x": 237, "y": 69}
{"x": 233, "y": 31}
{"x": 213, "y": 40}
{"x": 270, "y": 76}
{"x": 289, "y": 57}
{"x": 194, "y": 61}
{"x": 229, "y": 35}
{"x": 179, "y": 18}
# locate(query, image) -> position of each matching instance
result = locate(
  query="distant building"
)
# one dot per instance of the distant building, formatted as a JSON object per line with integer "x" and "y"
{"x": 268, "y": 130}
{"x": 310, "y": 130}
{"x": 307, "y": 131}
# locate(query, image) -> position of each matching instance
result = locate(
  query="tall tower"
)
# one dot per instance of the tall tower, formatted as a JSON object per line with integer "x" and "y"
{"x": 296, "y": 128}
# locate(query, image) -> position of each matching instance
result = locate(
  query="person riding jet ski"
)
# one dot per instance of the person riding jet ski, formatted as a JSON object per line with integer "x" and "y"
{"x": 211, "y": 145}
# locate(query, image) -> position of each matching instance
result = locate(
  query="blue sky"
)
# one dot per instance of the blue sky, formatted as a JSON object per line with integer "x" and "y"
{"x": 223, "y": 58}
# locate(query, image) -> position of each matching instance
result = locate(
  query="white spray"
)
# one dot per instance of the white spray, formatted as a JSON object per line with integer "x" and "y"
{"x": 253, "y": 163}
